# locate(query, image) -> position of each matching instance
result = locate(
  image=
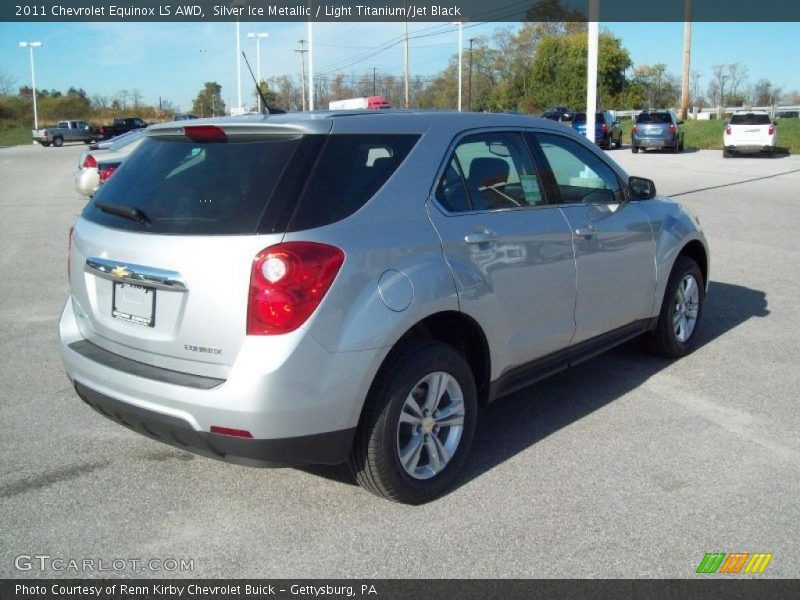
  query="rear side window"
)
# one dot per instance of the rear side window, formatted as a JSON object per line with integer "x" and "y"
{"x": 750, "y": 119}
{"x": 349, "y": 171}
{"x": 654, "y": 118}
{"x": 187, "y": 187}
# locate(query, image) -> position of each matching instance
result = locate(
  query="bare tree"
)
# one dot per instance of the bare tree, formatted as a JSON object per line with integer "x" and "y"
{"x": 136, "y": 97}
{"x": 121, "y": 98}
{"x": 7, "y": 83}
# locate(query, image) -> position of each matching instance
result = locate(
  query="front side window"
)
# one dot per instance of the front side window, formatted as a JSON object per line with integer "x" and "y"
{"x": 580, "y": 175}
{"x": 490, "y": 171}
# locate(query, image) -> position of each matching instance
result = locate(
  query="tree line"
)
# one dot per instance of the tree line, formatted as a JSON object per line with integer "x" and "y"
{"x": 524, "y": 69}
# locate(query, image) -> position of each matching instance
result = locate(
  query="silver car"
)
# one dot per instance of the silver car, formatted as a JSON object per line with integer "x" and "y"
{"x": 86, "y": 177}
{"x": 350, "y": 287}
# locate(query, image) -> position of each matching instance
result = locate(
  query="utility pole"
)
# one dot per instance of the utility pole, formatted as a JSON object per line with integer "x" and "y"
{"x": 405, "y": 61}
{"x": 311, "y": 88}
{"x": 302, "y": 51}
{"x": 593, "y": 33}
{"x": 374, "y": 81}
{"x": 469, "y": 80}
{"x": 460, "y": 62}
{"x": 687, "y": 51}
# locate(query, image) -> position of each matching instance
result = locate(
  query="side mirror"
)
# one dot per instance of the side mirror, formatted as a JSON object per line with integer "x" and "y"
{"x": 775, "y": 122}
{"x": 641, "y": 188}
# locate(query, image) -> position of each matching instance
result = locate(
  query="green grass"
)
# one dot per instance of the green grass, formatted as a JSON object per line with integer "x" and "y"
{"x": 707, "y": 135}
{"x": 14, "y": 135}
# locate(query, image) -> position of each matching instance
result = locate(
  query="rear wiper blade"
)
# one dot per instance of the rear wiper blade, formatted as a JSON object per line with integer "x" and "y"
{"x": 126, "y": 212}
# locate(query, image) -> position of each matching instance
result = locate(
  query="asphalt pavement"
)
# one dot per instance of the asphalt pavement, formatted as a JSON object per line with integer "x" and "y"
{"x": 626, "y": 466}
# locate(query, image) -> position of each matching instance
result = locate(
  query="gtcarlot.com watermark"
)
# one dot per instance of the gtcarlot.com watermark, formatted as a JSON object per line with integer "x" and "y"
{"x": 45, "y": 562}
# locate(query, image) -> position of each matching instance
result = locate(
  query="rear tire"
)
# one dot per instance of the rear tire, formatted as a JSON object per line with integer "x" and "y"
{"x": 618, "y": 143}
{"x": 58, "y": 142}
{"x": 726, "y": 153}
{"x": 635, "y": 149}
{"x": 400, "y": 420}
{"x": 681, "y": 313}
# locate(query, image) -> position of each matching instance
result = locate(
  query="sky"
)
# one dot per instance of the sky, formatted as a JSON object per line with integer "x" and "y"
{"x": 173, "y": 60}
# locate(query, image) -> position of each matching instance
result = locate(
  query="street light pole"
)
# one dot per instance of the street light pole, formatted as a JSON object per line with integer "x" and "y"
{"x": 31, "y": 46}
{"x": 469, "y": 81}
{"x": 593, "y": 31}
{"x": 258, "y": 37}
{"x": 310, "y": 66}
{"x": 460, "y": 62}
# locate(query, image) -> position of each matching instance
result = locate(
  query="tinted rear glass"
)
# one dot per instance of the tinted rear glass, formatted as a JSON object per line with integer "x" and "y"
{"x": 654, "y": 118}
{"x": 270, "y": 185}
{"x": 581, "y": 118}
{"x": 187, "y": 187}
{"x": 350, "y": 169}
{"x": 750, "y": 119}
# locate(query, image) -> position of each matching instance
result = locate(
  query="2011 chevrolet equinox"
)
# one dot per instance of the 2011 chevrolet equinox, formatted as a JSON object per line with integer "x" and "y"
{"x": 348, "y": 287}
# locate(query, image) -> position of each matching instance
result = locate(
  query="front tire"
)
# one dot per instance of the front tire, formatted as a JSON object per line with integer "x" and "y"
{"x": 635, "y": 149}
{"x": 417, "y": 426}
{"x": 681, "y": 310}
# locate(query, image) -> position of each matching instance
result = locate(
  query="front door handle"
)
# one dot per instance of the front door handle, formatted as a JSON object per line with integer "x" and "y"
{"x": 480, "y": 237}
{"x": 585, "y": 232}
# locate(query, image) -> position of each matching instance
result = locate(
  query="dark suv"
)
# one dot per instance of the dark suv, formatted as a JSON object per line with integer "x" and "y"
{"x": 558, "y": 113}
{"x": 657, "y": 129}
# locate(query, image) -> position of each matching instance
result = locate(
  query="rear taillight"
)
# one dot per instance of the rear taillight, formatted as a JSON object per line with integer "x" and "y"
{"x": 672, "y": 128}
{"x": 603, "y": 127}
{"x": 69, "y": 251}
{"x": 634, "y": 129}
{"x": 90, "y": 162}
{"x": 771, "y": 130}
{"x": 106, "y": 173}
{"x": 287, "y": 283}
{"x": 728, "y": 130}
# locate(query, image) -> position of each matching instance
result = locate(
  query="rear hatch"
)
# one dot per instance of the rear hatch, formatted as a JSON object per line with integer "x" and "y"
{"x": 750, "y": 128}
{"x": 161, "y": 258}
{"x": 654, "y": 125}
{"x": 579, "y": 124}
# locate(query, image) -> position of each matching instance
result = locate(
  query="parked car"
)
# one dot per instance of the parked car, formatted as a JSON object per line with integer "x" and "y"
{"x": 105, "y": 144}
{"x": 659, "y": 129}
{"x": 364, "y": 103}
{"x": 607, "y": 129}
{"x": 788, "y": 114}
{"x": 89, "y": 173}
{"x": 558, "y": 113}
{"x": 749, "y": 132}
{"x": 184, "y": 117}
{"x": 66, "y": 131}
{"x": 256, "y": 301}
{"x": 120, "y": 126}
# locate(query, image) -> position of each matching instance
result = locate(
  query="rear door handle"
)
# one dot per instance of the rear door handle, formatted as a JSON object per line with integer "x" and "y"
{"x": 480, "y": 237}
{"x": 585, "y": 232}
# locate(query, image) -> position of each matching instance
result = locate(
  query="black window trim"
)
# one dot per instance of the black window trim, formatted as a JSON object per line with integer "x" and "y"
{"x": 450, "y": 154}
{"x": 551, "y": 178}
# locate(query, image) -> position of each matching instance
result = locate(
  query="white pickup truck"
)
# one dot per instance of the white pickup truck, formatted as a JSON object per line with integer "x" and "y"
{"x": 749, "y": 132}
{"x": 66, "y": 131}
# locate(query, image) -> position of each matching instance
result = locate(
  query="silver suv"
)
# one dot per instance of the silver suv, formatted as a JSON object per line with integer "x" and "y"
{"x": 350, "y": 287}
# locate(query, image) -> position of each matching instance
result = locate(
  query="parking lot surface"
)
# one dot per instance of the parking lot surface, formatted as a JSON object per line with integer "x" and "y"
{"x": 626, "y": 466}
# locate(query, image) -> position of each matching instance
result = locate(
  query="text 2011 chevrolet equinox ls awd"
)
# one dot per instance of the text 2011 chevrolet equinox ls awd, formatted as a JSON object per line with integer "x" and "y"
{"x": 329, "y": 288}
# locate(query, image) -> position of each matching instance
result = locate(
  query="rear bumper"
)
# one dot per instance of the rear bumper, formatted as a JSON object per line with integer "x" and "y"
{"x": 299, "y": 401}
{"x": 324, "y": 448}
{"x": 654, "y": 142}
{"x": 750, "y": 147}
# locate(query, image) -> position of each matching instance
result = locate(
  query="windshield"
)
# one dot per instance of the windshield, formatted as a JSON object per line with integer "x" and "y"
{"x": 750, "y": 119}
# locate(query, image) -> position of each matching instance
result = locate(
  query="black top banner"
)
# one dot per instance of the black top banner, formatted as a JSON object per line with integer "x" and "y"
{"x": 401, "y": 10}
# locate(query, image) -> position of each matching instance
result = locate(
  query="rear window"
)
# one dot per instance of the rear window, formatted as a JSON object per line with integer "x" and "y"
{"x": 187, "y": 187}
{"x": 654, "y": 117}
{"x": 276, "y": 183}
{"x": 750, "y": 119}
{"x": 581, "y": 118}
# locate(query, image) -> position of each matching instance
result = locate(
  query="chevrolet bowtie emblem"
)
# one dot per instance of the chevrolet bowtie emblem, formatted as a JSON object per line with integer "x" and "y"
{"x": 120, "y": 272}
